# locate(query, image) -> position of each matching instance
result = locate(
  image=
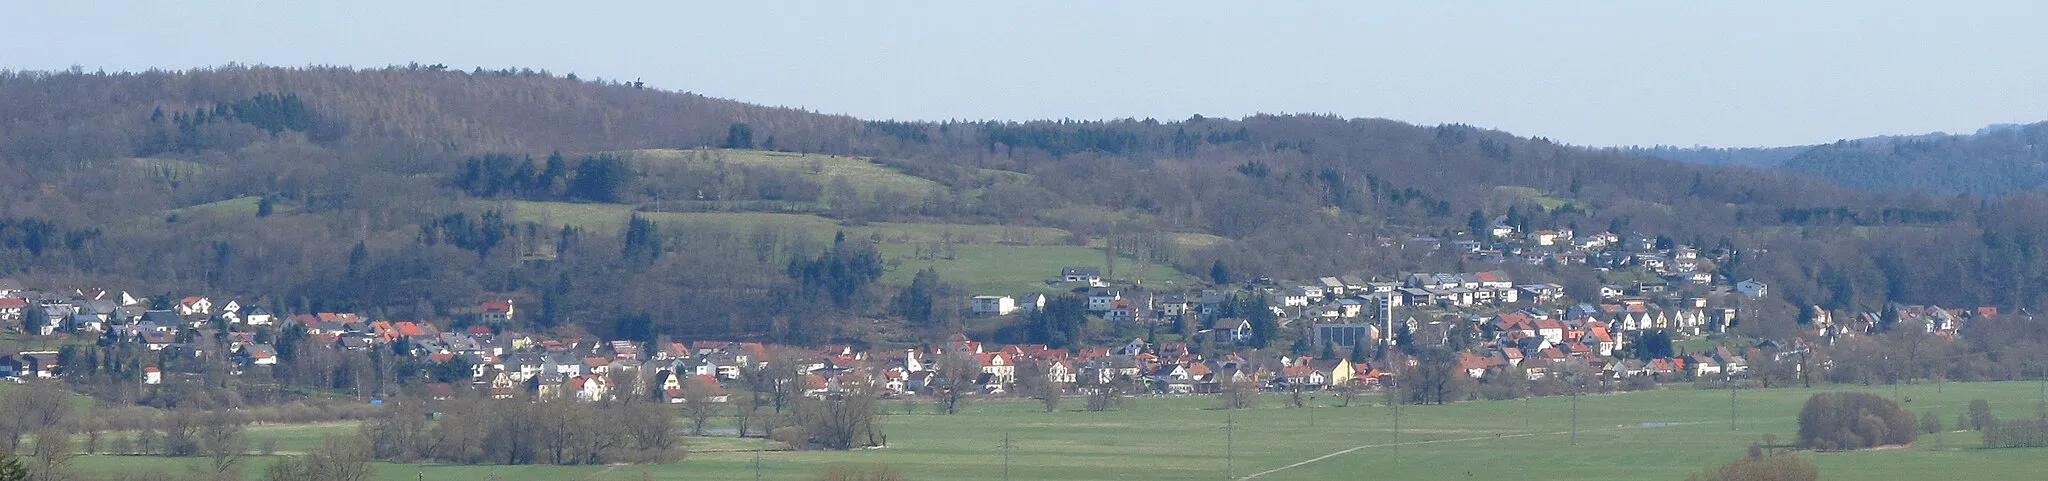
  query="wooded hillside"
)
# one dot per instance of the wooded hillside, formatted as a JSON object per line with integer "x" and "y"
{"x": 412, "y": 192}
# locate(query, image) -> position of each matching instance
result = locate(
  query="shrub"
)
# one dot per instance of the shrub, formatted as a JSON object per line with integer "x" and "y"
{"x": 879, "y": 472}
{"x": 1782, "y": 467}
{"x": 1980, "y": 415}
{"x": 1930, "y": 422}
{"x": 790, "y": 435}
{"x": 1853, "y": 420}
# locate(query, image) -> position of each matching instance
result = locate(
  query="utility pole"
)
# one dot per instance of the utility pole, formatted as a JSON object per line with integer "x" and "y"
{"x": 1006, "y": 456}
{"x": 757, "y": 464}
{"x": 1575, "y": 414}
{"x": 1229, "y": 431}
{"x": 1397, "y": 421}
{"x": 1731, "y": 405}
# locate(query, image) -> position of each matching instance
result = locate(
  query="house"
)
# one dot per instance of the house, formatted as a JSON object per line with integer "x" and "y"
{"x": 1099, "y": 299}
{"x": 194, "y": 306}
{"x": 1703, "y": 364}
{"x": 12, "y": 308}
{"x": 1030, "y": 301}
{"x": 1295, "y": 297}
{"x": 1000, "y": 368}
{"x": 1752, "y": 288}
{"x": 10, "y": 287}
{"x": 1345, "y": 335}
{"x": 497, "y": 311}
{"x": 1090, "y": 275}
{"x": 258, "y": 316}
{"x": 589, "y": 387}
{"x": 994, "y": 305}
{"x": 1331, "y": 286}
{"x": 1348, "y": 307}
{"x": 152, "y": 376}
{"x": 258, "y": 355}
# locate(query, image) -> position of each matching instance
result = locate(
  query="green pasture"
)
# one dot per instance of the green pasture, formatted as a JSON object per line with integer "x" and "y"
{"x": 1663, "y": 434}
{"x": 862, "y": 173}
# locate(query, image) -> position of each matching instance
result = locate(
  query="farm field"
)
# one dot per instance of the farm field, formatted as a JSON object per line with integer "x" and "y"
{"x": 1665, "y": 434}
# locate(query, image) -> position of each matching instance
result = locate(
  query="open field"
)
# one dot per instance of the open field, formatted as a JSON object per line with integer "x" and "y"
{"x": 1547, "y": 200}
{"x": 244, "y": 206}
{"x": 988, "y": 259}
{"x": 1654, "y": 435}
{"x": 865, "y": 175}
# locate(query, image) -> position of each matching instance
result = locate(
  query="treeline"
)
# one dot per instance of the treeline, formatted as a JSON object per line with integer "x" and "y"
{"x": 599, "y": 178}
{"x": 560, "y": 431}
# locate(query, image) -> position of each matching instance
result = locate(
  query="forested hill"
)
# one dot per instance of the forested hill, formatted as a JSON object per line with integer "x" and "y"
{"x": 416, "y": 191}
{"x": 1759, "y": 157}
{"x": 1991, "y": 162}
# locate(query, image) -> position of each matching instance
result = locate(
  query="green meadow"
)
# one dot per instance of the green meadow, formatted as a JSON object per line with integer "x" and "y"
{"x": 1664, "y": 434}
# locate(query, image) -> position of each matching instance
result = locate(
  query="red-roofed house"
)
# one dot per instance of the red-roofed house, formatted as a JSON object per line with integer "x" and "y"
{"x": 194, "y": 306}
{"x": 11, "y": 308}
{"x": 999, "y": 366}
{"x": 497, "y": 311}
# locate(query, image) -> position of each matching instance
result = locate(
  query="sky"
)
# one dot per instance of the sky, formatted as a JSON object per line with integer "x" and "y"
{"x": 1722, "y": 73}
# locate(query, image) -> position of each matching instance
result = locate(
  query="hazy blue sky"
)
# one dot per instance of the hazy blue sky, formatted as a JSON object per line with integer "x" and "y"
{"x": 1635, "y": 72}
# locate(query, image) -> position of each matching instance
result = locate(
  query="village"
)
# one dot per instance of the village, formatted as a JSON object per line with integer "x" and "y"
{"x": 1344, "y": 328}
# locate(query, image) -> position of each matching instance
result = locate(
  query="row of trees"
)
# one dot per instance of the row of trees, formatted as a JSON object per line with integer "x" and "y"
{"x": 522, "y": 432}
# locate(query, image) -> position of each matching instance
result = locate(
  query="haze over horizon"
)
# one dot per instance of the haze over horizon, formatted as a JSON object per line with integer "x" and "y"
{"x": 1604, "y": 73}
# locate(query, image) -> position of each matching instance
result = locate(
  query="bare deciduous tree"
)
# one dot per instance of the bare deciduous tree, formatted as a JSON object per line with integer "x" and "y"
{"x": 958, "y": 372}
{"x": 698, "y": 405}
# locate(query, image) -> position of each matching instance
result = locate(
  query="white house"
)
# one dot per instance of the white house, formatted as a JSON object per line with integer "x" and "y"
{"x": 195, "y": 306}
{"x": 1101, "y": 298}
{"x": 1090, "y": 275}
{"x": 994, "y": 305}
{"x": 1753, "y": 288}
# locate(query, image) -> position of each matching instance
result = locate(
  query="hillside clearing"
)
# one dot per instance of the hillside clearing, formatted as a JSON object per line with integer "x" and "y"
{"x": 862, "y": 173}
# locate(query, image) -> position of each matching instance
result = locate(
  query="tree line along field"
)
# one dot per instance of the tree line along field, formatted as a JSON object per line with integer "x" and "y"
{"x": 984, "y": 259}
{"x": 1666, "y": 434}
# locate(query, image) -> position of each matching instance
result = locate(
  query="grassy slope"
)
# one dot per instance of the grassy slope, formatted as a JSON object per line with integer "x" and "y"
{"x": 1180, "y": 438}
{"x": 862, "y": 173}
{"x": 989, "y": 259}
{"x": 1548, "y": 201}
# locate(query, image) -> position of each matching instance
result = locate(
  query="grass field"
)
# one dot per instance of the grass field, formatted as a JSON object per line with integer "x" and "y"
{"x": 988, "y": 259}
{"x": 244, "y": 206}
{"x": 1654, "y": 435}
{"x": 1548, "y": 201}
{"x": 865, "y": 175}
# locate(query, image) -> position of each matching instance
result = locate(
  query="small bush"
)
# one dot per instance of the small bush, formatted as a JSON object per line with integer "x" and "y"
{"x": 878, "y": 472}
{"x": 1930, "y": 422}
{"x": 1782, "y": 467}
{"x": 789, "y": 435}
